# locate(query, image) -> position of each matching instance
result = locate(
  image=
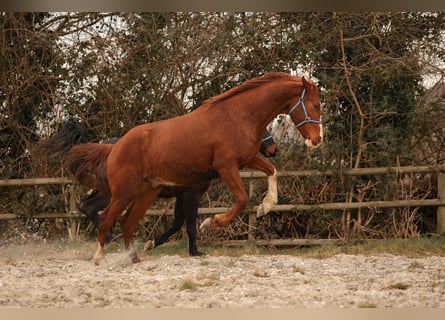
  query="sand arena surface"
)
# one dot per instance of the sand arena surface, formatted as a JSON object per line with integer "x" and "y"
{"x": 47, "y": 275}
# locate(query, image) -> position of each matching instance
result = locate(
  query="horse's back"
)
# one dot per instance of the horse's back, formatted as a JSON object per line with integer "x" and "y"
{"x": 184, "y": 150}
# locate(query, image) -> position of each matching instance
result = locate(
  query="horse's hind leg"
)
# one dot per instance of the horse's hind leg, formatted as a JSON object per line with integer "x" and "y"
{"x": 129, "y": 221}
{"x": 178, "y": 221}
{"x": 91, "y": 206}
{"x": 186, "y": 208}
{"x": 190, "y": 204}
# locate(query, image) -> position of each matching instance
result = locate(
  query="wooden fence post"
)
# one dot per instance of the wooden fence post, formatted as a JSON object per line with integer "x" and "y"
{"x": 441, "y": 209}
{"x": 252, "y": 215}
{"x": 73, "y": 223}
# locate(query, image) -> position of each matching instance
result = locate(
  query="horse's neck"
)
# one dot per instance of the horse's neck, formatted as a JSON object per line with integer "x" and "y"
{"x": 266, "y": 103}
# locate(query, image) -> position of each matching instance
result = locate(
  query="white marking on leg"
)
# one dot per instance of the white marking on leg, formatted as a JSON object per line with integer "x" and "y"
{"x": 99, "y": 255}
{"x": 134, "y": 258}
{"x": 272, "y": 191}
{"x": 271, "y": 198}
{"x": 205, "y": 224}
{"x": 131, "y": 250}
{"x": 149, "y": 245}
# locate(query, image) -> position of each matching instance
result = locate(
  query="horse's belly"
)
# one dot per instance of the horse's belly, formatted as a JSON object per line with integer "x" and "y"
{"x": 177, "y": 176}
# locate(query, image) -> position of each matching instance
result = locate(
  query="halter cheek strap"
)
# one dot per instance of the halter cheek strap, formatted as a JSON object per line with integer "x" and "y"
{"x": 307, "y": 118}
{"x": 266, "y": 136}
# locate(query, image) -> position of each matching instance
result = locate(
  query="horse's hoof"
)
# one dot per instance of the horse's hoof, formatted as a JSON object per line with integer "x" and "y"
{"x": 264, "y": 209}
{"x": 260, "y": 211}
{"x": 149, "y": 245}
{"x": 99, "y": 258}
{"x": 197, "y": 254}
{"x": 205, "y": 225}
{"x": 99, "y": 261}
{"x": 135, "y": 258}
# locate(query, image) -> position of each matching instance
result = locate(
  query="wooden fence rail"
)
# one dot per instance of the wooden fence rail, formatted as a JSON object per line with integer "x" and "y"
{"x": 439, "y": 202}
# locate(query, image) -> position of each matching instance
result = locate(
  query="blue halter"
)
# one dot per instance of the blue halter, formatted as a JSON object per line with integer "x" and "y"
{"x": 266, "y": 136}
{"x": 307, "y": 118}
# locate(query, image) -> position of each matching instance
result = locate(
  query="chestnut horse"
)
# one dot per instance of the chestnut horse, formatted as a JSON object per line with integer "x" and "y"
{"x": 186, "y": 205}
{"x": 215, "y": 140}
{"x": 187, "y": 197}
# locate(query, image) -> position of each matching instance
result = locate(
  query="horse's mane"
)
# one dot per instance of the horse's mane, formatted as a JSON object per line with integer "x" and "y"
{"x": 73, "y": 132}
{"x": 248, "y": 85}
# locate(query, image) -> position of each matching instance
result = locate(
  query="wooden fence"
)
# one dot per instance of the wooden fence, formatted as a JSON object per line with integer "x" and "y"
{"x": 438, "y": 202}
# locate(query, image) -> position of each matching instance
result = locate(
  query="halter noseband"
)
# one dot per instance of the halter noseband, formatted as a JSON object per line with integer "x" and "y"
{"x": 307, "y": 118}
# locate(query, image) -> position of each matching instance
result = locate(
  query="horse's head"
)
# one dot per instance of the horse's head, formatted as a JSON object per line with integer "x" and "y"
{"x": 74, "y": 131}
{"x": 71, "y": 133}
{"x": 268, "y": 146}
{"x": 306, "y": 114}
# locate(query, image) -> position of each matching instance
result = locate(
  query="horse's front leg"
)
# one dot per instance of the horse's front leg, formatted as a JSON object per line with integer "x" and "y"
{"x": 232, "y": 179}
{"x": 271, "y": 198}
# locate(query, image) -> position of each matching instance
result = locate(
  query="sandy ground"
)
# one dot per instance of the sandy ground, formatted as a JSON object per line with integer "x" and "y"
{"x": 45, "y": 275}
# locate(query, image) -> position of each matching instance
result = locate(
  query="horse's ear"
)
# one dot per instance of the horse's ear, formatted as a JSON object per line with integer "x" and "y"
{"x": 306, "y": 84}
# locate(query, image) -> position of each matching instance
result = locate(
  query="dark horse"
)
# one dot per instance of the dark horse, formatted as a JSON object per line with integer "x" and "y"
{"x": 187, "y": 198}
{"x": 215, "y": 140}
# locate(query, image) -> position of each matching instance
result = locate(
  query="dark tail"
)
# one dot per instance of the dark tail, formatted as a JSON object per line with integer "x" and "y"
{"x": 88, "y": 164}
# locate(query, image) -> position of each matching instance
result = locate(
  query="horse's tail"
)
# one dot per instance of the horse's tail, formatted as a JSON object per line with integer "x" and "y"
{"x": 88, "y": 164}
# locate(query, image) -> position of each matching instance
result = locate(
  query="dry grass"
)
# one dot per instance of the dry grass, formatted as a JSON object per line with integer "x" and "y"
{"x": 64, "y": 249}
{"x": 83, "y": 249}
{"x": 420, "y": 247}
{"x": 188, "y": 284}
{"x": 399, "y": 286}
{"x": 367, "y": 304}
{"x": 261, "y": 274}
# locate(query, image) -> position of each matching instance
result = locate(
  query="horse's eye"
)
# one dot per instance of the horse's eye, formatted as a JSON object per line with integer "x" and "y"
{"x": 316, "y": 107}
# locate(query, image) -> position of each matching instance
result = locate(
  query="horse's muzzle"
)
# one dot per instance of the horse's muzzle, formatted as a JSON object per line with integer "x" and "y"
{"x": 314, "y": 143}
{"x": 271, "y": 152}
